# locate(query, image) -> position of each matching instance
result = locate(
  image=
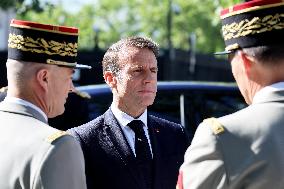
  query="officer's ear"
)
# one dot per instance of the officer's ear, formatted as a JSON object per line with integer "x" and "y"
{"x": 110, "y": 79}
{"x": 247, "y": 63}
{"x": 42, "y": 77}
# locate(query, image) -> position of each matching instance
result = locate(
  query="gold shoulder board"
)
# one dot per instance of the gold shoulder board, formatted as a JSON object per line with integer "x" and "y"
{"x": 3, "y": 89}
{"x": 215, "y": 125}
{"x": 55, "y": 136}
{"x": 82, "y": 94}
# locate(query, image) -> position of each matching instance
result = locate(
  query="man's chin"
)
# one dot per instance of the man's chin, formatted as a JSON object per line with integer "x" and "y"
{"x": 148, "y": 102}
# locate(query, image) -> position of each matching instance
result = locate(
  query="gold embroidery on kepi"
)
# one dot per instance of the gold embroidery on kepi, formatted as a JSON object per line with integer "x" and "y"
{"x": 42, "y": 43}
{"x": 253, "y": 23}
{"x": 254, "y": 26}
{"x": 42, "y": 46}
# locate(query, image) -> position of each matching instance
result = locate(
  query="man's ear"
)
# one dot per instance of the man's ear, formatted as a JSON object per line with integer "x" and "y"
{"x": 42, "y": 77}
{"x": 110, "y": 79}
{"x": 247, "y": 63}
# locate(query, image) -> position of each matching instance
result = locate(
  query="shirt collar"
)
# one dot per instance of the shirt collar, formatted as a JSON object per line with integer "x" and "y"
{"x": 123, "y": 118}
{"x": 268, "y": 89}
{"x": 25, "y": 103}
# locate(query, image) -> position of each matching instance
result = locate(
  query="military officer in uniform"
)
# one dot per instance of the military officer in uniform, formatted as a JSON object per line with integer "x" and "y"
{"x": 40, "y": 65}
{"x": 245, "y": 149}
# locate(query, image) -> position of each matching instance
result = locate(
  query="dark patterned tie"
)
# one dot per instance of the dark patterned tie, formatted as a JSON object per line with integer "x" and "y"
{"x": 142, "y": 151}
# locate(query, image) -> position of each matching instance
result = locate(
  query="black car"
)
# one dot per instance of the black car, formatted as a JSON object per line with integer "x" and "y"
{"x": 187, "y": 103}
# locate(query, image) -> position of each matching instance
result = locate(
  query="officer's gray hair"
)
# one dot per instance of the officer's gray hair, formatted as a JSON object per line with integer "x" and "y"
{"x": 267, "y": 54}
{"x": 111, "y": 58}
{"x": 20, "y": 72}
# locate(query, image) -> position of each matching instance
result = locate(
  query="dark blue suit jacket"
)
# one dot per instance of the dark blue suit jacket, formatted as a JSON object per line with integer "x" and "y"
{"x": 110, "y": 162}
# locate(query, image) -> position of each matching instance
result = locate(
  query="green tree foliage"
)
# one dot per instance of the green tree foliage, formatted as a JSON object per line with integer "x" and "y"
{"x": 112, "y": 20}
{"x": 20, "y": 5}
{"x": 58, "y": 15}
{"x": 149, "y": 17}
{"x": 5, "y": 4}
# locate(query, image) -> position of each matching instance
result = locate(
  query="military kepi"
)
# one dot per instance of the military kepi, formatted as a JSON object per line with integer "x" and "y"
{"x": 253, "y": 23}
{"x": 42, "y": 43}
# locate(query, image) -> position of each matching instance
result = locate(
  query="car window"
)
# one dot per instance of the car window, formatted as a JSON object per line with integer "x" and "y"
{"x": 198, "y": 105}
{"x": 99, "y": 105}
{"x": 166, "y": 105}
{"x": 219, "y": 105}
{"x": 76, "y": 113}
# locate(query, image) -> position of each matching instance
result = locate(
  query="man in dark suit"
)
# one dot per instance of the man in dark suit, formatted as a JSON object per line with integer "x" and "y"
{"x": 117, "y": 154}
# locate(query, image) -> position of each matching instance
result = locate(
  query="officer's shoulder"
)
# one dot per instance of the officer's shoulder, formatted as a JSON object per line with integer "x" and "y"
{"x": 215, "y": 125}
{"x": 56, "y": 135}
{"x": 3, "y": 89}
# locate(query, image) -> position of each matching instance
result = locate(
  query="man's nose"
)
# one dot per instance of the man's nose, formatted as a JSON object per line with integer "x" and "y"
{"x": 72, "y": 88}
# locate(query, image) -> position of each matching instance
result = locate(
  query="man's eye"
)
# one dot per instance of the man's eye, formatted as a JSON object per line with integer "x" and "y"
{"x": 138, "y": 70}
{"x": 154, "y": 70}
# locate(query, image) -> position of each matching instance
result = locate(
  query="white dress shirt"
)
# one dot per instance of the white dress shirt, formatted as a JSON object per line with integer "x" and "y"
{"x": 25, "y": 103}
{"x": 123, "y": 119}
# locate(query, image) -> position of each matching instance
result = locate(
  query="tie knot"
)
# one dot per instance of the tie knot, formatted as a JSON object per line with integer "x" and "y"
{"x": 136, "y": 126}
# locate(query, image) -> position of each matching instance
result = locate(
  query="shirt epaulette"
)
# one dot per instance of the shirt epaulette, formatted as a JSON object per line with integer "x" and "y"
{"x": 54, "y": 136}
{"x": 215, "y": 125}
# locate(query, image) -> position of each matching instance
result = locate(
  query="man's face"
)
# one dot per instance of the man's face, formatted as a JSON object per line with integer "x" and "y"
{"x": 137, "y": 80}
{"x": 60, "y": 85}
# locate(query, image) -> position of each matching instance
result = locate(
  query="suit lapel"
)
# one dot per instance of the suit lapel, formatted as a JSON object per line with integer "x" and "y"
{"x": 117, "y": 137}
{"x": 119, "y": 146}
{"x": 21, "y": 109}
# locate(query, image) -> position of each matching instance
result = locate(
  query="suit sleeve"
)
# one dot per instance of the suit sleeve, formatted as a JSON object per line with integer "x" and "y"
{"x": 62, "y": 166}
{"x": 187, "y": 136}
{"x": 203, "y": 165}
{"x": 73, "y": 133}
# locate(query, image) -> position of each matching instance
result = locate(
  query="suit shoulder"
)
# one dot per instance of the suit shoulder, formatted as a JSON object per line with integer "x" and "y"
{"x": 166, "y": 123}
{"x": 173, "y": 131}
{"x": 87, "y": 130}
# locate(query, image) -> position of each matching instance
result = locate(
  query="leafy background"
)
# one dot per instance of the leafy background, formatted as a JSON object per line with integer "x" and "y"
{"x": 162, "y": 20}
